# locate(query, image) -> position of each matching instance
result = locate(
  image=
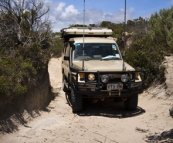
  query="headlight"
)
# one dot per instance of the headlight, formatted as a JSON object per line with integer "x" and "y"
{"x": 91, "y": 77}
{"x": 105, "y": 78}
{"x": 136, "y": 74}
{"x": 124, "y": 78}
{"x": 81, "y": 76}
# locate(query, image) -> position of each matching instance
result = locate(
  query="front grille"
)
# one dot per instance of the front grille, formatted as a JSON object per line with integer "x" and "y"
{"x": 112, "y": 77}
{"x": 115, "y": 80}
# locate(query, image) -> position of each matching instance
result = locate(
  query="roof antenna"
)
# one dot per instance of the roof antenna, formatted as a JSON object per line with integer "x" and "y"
{"x": 83, "y": 36}
{"x": 124, "y": 68}
{"x": 125, "y": 16}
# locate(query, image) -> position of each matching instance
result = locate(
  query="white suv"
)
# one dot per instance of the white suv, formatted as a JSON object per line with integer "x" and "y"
{"x": 93, "y": 67}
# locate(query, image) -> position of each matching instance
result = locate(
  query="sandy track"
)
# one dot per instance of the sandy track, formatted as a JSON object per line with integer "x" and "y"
{"x": 104, "y": 122}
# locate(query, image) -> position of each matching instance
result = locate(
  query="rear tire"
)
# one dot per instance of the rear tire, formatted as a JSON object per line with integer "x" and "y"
{"x": 76, "y": 101}
{"x": 132, "y": 102}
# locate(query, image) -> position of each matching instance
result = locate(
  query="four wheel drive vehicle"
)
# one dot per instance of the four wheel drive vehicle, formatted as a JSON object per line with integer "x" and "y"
{"x": 93, "y": 67}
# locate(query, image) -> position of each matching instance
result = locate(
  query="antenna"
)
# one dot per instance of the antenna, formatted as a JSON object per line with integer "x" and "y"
{"x": 125, "y": 17}
{"x": 83, "y": 36}
{"x": 124, "y": 68}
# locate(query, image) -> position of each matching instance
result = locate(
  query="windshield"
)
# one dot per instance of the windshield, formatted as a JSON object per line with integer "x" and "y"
{"x": 96, "y": 51}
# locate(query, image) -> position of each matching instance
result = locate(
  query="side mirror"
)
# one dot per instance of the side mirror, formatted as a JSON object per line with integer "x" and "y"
{"x": 66, "y": 58}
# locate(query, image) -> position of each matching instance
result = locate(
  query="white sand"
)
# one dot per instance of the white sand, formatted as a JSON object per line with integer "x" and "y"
{"x": 107, "y": 122}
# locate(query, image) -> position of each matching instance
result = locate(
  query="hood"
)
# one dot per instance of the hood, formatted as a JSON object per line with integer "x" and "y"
{"x": 104, "y": 65}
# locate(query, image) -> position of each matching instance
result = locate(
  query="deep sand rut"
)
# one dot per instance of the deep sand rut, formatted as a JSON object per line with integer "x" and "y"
{"x": 103, "y": 122}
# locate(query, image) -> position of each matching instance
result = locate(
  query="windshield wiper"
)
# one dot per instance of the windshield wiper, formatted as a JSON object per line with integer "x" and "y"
{"x": 110, "y": 57}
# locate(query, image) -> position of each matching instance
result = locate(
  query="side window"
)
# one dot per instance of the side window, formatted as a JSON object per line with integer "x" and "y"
{"x": 64, "y": 49}
{"x": 68, "y": 50}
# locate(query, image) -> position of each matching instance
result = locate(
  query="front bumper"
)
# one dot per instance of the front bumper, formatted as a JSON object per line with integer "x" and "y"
{"x": 98, "y": 89}
{"x": 99, "y": 92}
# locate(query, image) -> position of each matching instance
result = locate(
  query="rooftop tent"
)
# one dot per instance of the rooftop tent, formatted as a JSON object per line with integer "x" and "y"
{"x": 87, "y": 31}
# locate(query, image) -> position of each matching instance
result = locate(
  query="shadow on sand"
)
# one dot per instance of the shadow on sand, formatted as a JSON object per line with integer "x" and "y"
{"x": 166, "y": 137}
{"x": 14, "y": 115}
{"x": 109, "y": 108}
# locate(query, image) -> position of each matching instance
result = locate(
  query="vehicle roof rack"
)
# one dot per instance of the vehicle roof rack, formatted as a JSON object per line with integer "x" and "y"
{"x": 87, "y": 31}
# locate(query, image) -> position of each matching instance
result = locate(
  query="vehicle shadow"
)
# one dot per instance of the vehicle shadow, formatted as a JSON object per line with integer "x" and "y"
{"x": 109, "y": 108}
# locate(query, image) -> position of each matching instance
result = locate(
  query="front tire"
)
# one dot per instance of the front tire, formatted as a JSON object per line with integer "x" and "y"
{"x": 132, "y": 102}
{"x": 76, "y": 101}
{"x": 64, "y": 88}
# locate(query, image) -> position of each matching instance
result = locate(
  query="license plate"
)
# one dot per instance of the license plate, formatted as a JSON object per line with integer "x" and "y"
{"x": 114, "y": 86}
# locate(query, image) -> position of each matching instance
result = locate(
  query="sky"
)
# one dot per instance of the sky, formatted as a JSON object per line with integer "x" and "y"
{"x": 63, "y": 13}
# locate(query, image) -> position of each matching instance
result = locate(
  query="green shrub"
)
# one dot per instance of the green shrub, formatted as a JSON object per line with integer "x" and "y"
{"x": 57, "y": 46}
{"x": 25, "y": 43}
{"x": 16, "y": 73}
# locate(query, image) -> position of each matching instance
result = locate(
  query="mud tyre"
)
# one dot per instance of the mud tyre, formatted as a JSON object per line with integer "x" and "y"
{"x": 132, "y": 102}
{"x": 68, "y": 97}
{"x": 64, "y": 88}
{"x": 76, "y": 101}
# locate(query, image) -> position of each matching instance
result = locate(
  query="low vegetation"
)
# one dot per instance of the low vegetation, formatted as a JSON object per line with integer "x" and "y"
{"x": 149, "y": 49}
{"x": 27, "y": 42}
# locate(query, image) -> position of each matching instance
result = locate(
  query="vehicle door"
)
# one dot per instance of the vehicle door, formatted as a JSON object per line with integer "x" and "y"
{"x": 67, "y": 62}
